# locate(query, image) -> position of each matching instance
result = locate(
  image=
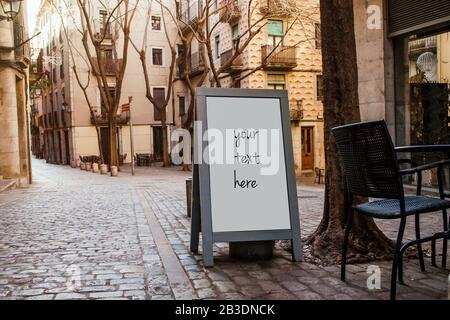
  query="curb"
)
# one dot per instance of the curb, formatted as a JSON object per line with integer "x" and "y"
{"x": 10, "y": 185}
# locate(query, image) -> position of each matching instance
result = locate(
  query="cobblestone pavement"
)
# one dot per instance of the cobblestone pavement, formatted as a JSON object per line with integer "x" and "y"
{"x": 79, "y": 235}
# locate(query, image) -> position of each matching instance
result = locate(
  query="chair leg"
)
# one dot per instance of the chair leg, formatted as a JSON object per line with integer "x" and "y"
{"x": 397, "y": 257}
{"x": 445, "y": 240}
{"x": 345, "y": 245}
{"x": 419, "y": 245}
{"x": 400, "y": 269}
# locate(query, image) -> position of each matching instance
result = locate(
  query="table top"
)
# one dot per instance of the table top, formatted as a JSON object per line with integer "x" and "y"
{"x": 425, "y": 148}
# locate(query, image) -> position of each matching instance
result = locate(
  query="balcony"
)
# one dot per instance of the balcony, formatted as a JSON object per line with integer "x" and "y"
{"x": 296, "y": 110}
{"x": 419, "y": 46}
{"x": 229, "y": 11}
{"x": 189, "y": 17}
{"x": 103, "y": 33}
{"x": 109, "y": 66}
{"x": 278, "y": 58}
{"x": 236, "y": 64}
{"x": 102, "y": 119}
{"x": 277, "y": 7}
{"x": 196, "y": 66}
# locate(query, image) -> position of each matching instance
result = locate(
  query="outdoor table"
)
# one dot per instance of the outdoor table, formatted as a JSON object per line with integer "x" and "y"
{"x": 427, "y": 148}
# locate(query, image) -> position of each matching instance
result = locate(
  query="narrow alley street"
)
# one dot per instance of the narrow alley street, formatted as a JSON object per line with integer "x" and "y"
{"x": 79, "y": 235}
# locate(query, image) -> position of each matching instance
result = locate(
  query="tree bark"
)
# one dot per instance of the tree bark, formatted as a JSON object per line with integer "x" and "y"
{"x": 341, "y": 106}
{"x": 164, "y": 138}
{"x": 112, "y": 133}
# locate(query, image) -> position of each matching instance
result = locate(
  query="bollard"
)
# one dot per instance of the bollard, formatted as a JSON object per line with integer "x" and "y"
{"x": 82, "y": 166}
{"x": 95, "y": 167}
{"x": 88, "y": 166}
{"x": 189, "y": 197}
{"x": 114, "y": 171}
{"x": 103, "y": 169}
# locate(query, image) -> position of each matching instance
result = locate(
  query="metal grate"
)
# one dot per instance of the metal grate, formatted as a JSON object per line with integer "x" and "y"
{"x": 406, "y": 16}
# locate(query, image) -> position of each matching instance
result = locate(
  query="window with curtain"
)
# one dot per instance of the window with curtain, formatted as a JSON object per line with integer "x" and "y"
{"x": 276, "y": 81}
{"x": 156, "y": 23}
{"x": 318, "y": 36}
{"x": 157, "y": 56}
{"x": 319, "y": 87}
{"x": 275, "y": 32}
{"x": 217, "y": 46}
{"x": 235, "y": 35}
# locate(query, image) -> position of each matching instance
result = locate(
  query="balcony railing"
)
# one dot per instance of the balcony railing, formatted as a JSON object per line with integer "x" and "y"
{"x": 229, "y": 11}
{"x": 236, "y": 64}
{"x": 108, "y": 65}
{"x": 277, "y": 7}
{"x": 281, "y": 57}
{"x": 196, "y": 66}
{"x": 102, "y": 119}
{"x": 104, "y": 33}
{"x": 189, "y": 16}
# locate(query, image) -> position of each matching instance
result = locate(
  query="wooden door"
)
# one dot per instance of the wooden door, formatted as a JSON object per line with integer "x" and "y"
{"x": 307, "y": 148}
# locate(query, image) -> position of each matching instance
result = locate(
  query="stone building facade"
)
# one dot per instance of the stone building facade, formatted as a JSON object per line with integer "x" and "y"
{"x": 14, "y": 102}
{"x": 67, "y": 128}
{"x": 286, "y": 54}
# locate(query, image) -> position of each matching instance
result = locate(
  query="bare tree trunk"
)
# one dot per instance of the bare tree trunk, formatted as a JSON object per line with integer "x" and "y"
{"x": 341, "y": 106}
{"x": 112, "y": 133}
{"x": 164, "y": 138}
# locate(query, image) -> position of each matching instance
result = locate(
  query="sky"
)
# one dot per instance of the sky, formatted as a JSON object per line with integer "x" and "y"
{"x": 32, "y": 8}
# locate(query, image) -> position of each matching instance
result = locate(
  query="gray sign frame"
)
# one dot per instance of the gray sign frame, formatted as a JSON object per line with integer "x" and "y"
{"x": 201, "y": 196}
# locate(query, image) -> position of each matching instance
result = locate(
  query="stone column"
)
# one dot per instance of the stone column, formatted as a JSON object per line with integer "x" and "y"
{"x": 9, "y": 138}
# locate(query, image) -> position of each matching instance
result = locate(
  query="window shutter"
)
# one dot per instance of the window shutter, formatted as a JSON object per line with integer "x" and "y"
{"x": 406, "y": 16}
{"x": 159, "y": 96}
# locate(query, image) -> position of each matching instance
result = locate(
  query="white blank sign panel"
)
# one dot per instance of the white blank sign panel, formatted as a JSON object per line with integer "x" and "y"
{"x": 257, "y": 202}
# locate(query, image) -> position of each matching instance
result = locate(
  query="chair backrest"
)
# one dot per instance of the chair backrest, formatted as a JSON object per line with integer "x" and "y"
{"x": 369, "y": 159}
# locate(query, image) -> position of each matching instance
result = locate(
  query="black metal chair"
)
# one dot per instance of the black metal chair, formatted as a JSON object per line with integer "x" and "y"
{"x": 372, "y": 170}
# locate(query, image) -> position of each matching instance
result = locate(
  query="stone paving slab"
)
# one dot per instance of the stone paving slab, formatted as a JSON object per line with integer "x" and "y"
{"x": 79, "y": 235}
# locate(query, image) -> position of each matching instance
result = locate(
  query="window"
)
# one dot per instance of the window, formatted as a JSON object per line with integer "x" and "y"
{"x": 107, "y": 54}
{"x": 276, "y": 81}
{"x": 61, "y": 67}
{"x": 112, "y": 92}
{"x": 182, "y": 105}
{"x": 235, "y": 35}
{"x": 319, "y": 87}
{"x": 159, "y": 96}
{"x": 157, "y": 56}
{"x": 156, "y": 23}
{"x": 275, "y": 32}
{"x": 318, "y": 36}
{"x": 217, "y": 47}
{"x": 105, "y": 26}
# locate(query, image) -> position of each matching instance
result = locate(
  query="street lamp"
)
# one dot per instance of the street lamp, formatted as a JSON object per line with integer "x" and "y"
{"x": 11, "y": 8}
